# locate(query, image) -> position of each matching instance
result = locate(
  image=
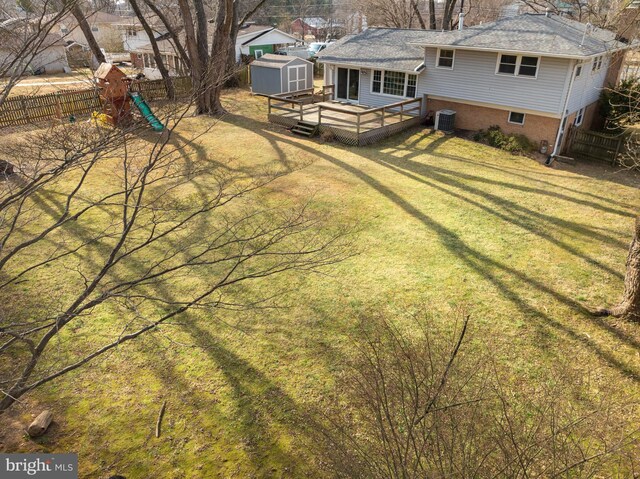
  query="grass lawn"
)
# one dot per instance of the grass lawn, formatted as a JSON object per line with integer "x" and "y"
{"x": 444, "y": 223}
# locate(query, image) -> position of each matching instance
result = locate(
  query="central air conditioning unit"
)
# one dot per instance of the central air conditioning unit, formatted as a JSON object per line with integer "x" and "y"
{"x": 445, "y": 120}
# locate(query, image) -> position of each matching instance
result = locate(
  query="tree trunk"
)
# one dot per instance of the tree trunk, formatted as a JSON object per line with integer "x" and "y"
{"x": 88, "y": 34}
{"x": 172, "y": 32}
{"x": 164, "y": 71}
{"x": 432, "y": 14}
{"x": 629, "y": 306}
{"x": 416, "y": 10}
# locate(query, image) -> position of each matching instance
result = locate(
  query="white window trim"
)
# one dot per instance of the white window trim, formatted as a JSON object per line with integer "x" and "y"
{"x": 598, "y": 61}
{"x": 255, "y": 53}
{"x": 453, "y": 59}
{"x": 406, "y": 84}
{"x": 524, "y": 118}
{"x": 516, "y": 74}
{"x": 579, "y": 114}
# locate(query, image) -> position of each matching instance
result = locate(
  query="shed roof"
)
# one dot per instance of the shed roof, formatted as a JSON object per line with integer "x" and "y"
{"x": 270, "y": 60}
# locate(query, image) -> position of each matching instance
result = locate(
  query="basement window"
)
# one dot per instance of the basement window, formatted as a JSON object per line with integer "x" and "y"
{"x": 516, "y": 118}
{"x": 579, "y": 117}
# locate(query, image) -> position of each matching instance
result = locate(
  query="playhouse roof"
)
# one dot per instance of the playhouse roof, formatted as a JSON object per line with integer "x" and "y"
{"x": 105, "y": 69}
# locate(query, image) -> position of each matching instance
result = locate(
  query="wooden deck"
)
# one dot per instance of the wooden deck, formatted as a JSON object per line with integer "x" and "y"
{"x": 356, "y": 125}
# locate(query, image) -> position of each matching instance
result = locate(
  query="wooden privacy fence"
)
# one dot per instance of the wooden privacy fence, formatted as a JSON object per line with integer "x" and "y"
{"x": 25, "y": 109}
{"x": 598, "y": 146}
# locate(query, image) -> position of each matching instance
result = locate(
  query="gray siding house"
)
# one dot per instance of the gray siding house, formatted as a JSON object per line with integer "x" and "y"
{"x": 530, "y": 74}
{"x": 272, "y": 74}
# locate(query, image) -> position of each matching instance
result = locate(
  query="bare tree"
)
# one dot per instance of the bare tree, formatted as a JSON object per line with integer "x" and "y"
{"x": 81, "y": 17}
{"x": 26, "y": 39}
{"x": 166, "y": 235}
{"x": 164, "y": 71}
{"x": 420, "y": 400}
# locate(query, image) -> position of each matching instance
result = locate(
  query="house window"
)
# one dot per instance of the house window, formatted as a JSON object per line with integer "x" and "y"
{"x": 508, "y": 64}
{"x": 95, "y": 29}
{"x": 412, "y": 81}
{"x": 394, "y": 83}
{"x": 578, "y": 70}
{"x": 516, "y": 118}
{"x": 445, "y": 58}
{"x": 64, "y": 30}
{"x": 518, "y": 65}
{"x": 377, "y": 81}
{"x": 528, "y": 66}
{"x": 597, "y": 64}
{"x": 579, "y": 117}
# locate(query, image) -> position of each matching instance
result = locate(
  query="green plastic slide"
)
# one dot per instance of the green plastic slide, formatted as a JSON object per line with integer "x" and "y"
{"x": 142, "y": 105}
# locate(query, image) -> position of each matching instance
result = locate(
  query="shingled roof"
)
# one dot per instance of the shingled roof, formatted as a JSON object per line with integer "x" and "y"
{"x": 402, "y": 49}
{"x": 388, "y": 48}
{"x": 529, "y": 33}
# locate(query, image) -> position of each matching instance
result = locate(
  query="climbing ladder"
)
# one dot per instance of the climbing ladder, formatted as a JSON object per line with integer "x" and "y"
{"x": 305, "y": 128}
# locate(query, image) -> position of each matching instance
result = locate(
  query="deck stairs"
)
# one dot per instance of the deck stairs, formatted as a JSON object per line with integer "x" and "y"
{"x": 305, "y": 128}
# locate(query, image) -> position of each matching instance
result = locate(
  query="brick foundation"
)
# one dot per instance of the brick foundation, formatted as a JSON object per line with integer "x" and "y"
{"x": 472, "y": 117}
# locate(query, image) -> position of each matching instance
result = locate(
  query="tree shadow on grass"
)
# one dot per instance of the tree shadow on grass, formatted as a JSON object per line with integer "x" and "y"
{"x": 491, "y": 270}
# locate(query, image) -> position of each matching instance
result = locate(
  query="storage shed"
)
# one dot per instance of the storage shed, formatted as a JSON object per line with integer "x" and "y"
{"x": 272, "y": 74}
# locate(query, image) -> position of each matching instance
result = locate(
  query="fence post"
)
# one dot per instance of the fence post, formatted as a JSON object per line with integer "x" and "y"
{"x": 384, "y": 112}
{"x": 358, "y": 123}
{"x": 615, "y": 155}
{"x": 58, "y": 106}
{"x": 269, "y": 105}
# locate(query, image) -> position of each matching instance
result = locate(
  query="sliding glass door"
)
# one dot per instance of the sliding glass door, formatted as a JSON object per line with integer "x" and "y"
{"x": 348, "y": 84}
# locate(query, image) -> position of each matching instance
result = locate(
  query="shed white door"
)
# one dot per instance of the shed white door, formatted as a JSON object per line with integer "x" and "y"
{"x": 297, "y": 77}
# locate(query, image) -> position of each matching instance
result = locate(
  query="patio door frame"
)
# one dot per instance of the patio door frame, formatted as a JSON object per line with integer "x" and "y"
{"x": 337, "y": 90}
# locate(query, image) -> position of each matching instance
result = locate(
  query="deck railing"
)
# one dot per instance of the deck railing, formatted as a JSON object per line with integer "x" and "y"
{"x": 294, "y": 102}
{"x": 405, "y": 110}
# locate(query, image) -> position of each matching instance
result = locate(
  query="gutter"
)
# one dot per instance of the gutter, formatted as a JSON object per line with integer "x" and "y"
{"x": 455, "y": 46}
{"x": 563, "y": 125}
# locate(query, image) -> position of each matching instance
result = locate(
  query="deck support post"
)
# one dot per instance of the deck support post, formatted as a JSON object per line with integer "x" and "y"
{"x": 320, "y": 114}
{"x": 269, "y": 105}
{"x": 301, "y": 111}
{"x": 384, "y": 112}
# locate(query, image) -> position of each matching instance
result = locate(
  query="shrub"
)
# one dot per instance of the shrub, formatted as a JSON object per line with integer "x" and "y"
{"x": 495, "y": 137}
{"x": 620, "y": 105}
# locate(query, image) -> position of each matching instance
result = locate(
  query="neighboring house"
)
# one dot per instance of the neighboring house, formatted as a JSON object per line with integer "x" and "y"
{"x": 104, "y": 26}
{"x": 257, "y": 40}
{"x": 133, "y": 34}
{"x": 530, "y": 74}
{"x": 144, "y": 59}
{"x": 319, "y": 28}
{"x": 253, "y": 40}
{"x": 51, "y": 56}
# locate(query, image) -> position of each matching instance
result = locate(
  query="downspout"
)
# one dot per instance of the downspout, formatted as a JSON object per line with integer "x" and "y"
{"x": 562, "y": 126}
